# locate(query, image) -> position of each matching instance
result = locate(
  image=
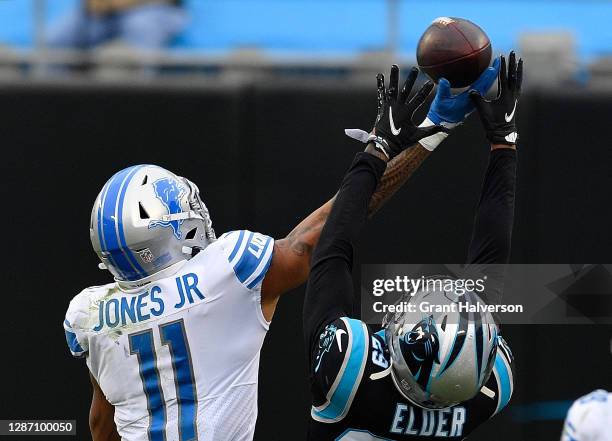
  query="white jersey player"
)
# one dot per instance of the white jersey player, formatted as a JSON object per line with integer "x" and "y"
{"x": 173, "y": 344}
{"x": 589, "y": 418}
{"x": 168, "y": 340}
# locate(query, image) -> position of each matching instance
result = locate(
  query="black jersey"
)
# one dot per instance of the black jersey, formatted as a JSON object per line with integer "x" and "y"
{"x": 353, "y": 393}
{"x": 354, "y": 397}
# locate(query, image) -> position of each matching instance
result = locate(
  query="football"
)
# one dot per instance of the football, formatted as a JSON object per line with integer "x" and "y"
{"x": 455, "y": 49}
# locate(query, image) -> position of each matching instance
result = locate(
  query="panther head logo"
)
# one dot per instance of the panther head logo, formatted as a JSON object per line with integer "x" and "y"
{"x": 421, "y": 349}
{"x": 326, "y": 339}
{"x": 169, "y": 192}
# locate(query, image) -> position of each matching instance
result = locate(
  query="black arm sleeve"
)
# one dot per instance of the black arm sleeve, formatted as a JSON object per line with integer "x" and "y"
{"x": 329, "y": 292}
{"x": 489, "y": 249}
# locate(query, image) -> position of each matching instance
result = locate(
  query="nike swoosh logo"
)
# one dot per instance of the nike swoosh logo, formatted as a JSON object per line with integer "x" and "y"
{"x": 393, "y": 129}
{"x": 339, "y": 333}
{"x": 509, "y": 117}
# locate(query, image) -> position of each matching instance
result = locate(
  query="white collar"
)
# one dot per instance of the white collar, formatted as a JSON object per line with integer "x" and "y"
{"x": 137, "y": 285}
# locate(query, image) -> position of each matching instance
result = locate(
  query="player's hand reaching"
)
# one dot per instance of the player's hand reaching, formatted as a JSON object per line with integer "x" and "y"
{"x": 450, "y": 110}
{"x": 499, "y": 115}
{"x": 394, "y": 129}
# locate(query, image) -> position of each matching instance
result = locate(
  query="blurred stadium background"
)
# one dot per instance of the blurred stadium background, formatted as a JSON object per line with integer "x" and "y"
{"x": 249, "y": 99}
{"x": 561, "y": 39}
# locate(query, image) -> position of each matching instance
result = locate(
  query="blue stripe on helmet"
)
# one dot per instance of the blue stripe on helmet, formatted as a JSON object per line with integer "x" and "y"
{"x": 128, "y": 253}
{"x": 110, "y": 222}
{"x": 101, "y": 239}
{"x": 505, "y": 388}
{"x": 458, "y": 343}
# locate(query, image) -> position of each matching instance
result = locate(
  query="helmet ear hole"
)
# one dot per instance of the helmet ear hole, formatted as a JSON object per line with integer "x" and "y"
{"x": 143, "y": 212}
{"x": 191, "y": 233}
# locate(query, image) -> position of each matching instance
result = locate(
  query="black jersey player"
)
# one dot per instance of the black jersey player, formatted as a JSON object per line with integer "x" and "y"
{"x": 362, "y": 389}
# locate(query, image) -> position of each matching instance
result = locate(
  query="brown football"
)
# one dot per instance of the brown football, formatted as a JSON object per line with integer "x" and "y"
{"x": 454, "y": 48}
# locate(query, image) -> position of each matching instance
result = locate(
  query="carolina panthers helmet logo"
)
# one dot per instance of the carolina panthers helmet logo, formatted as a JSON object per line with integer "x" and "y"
{"x": 169, "y": 192}
{"x": 326, "y": 339}
{"x": 421, "y": 349}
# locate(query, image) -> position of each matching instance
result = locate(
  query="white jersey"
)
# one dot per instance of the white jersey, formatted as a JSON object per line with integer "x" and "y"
{"x": 179, "y": 358}
{"x": 589, "y": 418}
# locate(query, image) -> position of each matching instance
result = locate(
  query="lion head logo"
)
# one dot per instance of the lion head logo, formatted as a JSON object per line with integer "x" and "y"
{"x": 169, "y": 192}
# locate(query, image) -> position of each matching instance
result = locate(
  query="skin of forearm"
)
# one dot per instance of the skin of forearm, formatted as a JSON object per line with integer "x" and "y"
{"x": 295, "y": 250}
{"x": 503, "y": 146}
{"x": 399, "y": 169}
{"x": 304, "y": 237}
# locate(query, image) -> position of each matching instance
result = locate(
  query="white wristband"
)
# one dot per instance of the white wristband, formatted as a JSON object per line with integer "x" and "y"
{"x": 431, "y": 142}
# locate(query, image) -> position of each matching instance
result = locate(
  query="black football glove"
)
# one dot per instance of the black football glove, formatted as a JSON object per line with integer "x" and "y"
{"x": 394, "y": 130}
{"x": 499, "y": 115}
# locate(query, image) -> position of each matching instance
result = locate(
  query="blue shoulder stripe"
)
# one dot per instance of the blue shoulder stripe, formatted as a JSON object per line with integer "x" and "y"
{"x": 71, "y": 338}
{"x": 261, "y": 272}
{"x": 237, "y": 246}
{"x": 350, "y": 375}
{"x": 73, "y": 343}
{"x": 251, "y": 257}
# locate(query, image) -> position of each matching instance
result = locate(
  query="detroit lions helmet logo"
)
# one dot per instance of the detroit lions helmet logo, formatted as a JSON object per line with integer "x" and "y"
{"x": 421, "y": 349}
{"x": 169, "y": 192}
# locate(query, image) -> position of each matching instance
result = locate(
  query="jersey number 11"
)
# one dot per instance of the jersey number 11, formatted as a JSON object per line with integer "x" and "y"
{"x": 141, "y": 344}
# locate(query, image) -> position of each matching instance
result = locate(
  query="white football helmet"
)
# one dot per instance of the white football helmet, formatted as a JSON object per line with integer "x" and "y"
{"x": 145, "y": 220}
{"x": 440, "y": 359}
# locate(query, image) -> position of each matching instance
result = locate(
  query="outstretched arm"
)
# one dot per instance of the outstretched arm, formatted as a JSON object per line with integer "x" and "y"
{"x": 291, "y": 260}
{"x": 492, "y": 231}
{"x": 489, "y": 249}
{"x": 290, "y": 265}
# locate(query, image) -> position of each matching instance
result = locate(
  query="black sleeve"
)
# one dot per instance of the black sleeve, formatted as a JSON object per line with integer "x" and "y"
{"x": 329, "y": 292}
{"x": 489, "y": 249}
{"x": 339, "y": 363}
{"x": 327, "y": 359}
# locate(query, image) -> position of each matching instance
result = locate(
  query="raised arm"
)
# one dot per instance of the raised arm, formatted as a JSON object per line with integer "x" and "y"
{"x": 492, "y": 231}
{"x": 291, "y": 259}
{"x": 290, "y": 265}
{"x": 493, "y": 223}
{"x": 489, "y": 249}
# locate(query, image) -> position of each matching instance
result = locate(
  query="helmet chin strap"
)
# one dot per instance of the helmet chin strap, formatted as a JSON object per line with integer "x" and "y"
{"x": 413, "y": 402}
{"x": 381, "y": 374}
